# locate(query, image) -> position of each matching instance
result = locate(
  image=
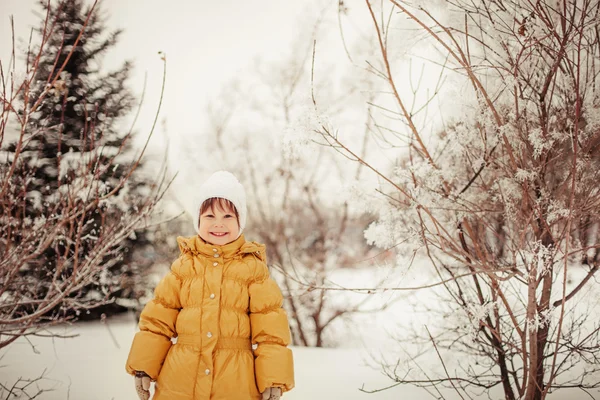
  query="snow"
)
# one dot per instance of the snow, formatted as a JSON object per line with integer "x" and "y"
{"x": 91, "y": 366}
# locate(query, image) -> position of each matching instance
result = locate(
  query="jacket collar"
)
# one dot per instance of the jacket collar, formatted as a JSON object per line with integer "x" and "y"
{"x": 197, "y": 246}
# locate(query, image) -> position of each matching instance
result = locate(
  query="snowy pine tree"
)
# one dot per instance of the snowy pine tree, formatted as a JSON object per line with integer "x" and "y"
{"x": 76, "y": 140}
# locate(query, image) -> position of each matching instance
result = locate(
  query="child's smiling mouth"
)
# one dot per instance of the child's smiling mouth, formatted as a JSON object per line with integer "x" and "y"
{"x": 220, "y": 234}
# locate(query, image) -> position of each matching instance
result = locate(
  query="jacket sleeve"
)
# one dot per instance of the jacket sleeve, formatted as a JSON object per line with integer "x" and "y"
{"x": 157, "y": 326}
{"x": 274, "y": 366}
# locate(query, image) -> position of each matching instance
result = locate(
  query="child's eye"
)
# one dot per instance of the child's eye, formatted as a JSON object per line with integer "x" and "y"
{"x": 209, "y": 216}
{"x": 228, "y": 216}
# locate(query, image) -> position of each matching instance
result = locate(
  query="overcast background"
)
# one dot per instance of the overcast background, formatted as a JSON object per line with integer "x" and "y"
{"x": 208, "y": 44}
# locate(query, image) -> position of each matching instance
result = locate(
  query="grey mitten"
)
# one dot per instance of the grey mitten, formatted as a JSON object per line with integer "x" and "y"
{"x": 142, "y": 385}
{"x": 271, "y": 393}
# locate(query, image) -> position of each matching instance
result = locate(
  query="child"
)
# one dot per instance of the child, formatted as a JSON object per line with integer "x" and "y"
{"x": 217, "y": 300}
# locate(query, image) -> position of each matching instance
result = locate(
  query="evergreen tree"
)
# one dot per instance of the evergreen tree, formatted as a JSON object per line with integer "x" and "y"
{"x": 77, "y": 124}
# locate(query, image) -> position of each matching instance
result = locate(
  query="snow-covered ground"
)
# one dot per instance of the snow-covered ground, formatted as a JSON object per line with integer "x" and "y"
{"x": 91, "y": 367}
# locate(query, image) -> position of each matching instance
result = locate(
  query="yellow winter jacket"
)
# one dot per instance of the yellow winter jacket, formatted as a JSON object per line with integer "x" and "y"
{"x": 217, "y": 301}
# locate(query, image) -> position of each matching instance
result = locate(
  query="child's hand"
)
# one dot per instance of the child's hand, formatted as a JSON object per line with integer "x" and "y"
{"x": 271, "y": 393}
{"x": 142, "y": 385}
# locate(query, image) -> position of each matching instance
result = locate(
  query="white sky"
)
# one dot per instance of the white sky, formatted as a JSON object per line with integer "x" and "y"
{"x": 207, "y": 43}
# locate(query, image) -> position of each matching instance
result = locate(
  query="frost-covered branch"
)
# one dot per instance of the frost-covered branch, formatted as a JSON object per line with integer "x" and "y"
{"x": 503, "y": 199}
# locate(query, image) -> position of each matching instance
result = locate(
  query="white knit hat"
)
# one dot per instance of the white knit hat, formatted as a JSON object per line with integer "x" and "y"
{"x": 225, "y": 185}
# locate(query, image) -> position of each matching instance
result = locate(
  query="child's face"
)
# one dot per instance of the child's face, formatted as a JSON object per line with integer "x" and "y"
{"x": 218, "y": 226}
